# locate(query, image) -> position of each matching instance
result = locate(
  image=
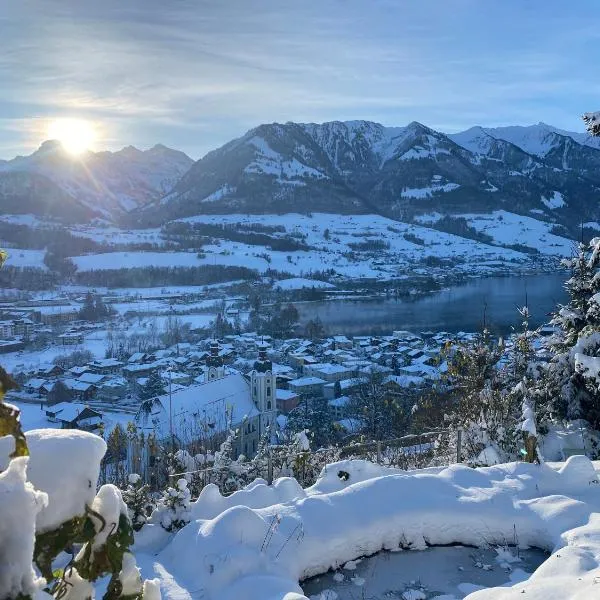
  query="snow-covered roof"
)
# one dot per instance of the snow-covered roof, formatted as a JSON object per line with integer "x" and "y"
{"x": 66, "y": 411}
{"x": 199, "y": 405}
{"x": 285, "y": 394}
{"x": 306, "y": 381}
{"x": 404, "y": 380}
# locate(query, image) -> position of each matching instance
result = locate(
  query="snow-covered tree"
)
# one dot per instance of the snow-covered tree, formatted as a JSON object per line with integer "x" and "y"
{"x": 592, "y": 121}
{"x": 153, "y": 387}
{"x": 173, "y": 509}
{"x": 137, "y": 498}
{"x": 569, "y": 387}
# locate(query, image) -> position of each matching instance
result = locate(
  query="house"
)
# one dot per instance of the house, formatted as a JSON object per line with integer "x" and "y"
{"x": 341, "y": 342}
{"x": 328, "y": 372}
{"x": 137, "y": 370}
{"x": 55, "y": 315}
{"x": 80, "y": 389}
{"x": 53, "y": 371}
{"x": 286, "y": 401}
{"x": 6, "y": 329}
{"x": 113, "y": 389}
{"x": 345, "y": 387}
{"x": 106, "y": 366}
{"x": 78, "y": 371}
{"x": 308, "y": 387}
{"x": 72, "y": 338}
{"x": 338, "y": 407}
{"x": 72, "y": 415}
{"x": 11, "y": 346}
{"x": 397, "y": 385}
{"x": 35, "y": 386}
{"x": 94, "y": 378}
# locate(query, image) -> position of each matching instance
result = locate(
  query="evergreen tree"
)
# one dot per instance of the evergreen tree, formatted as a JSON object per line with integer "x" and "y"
{"x": 380, "y": 415}
{"x": 173, "y": 509}
{"x": 470, "y": 398}
{"x": 569, "y": 387}
{"x": 59, "y": 393}
{"x": 153, "y": 387}
{"x": 137, "y": 498}
{"x": 88, "y": 310}
{"x": 313, "y": 415}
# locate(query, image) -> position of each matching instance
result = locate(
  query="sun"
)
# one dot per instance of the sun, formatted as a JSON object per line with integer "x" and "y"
{"x": 76, "y": 135}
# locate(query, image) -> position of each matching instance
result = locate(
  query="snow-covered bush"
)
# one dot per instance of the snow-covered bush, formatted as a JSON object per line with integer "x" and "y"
{"x": 138, "y": 501}
{"x": 44, "y": 512}
{"x": 173, "y": 509}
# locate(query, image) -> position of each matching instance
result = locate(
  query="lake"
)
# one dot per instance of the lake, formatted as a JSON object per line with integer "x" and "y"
{"x": 459, "y": 308}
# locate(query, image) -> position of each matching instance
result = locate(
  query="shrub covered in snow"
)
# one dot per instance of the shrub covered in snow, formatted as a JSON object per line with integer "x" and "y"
{"x": 173, "y": 509}
{"x": 139, "y": 503}
{"x": 49, "y": 503}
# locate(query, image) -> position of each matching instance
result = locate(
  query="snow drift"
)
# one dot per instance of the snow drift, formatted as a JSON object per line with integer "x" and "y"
{"x": 259, "y": 543}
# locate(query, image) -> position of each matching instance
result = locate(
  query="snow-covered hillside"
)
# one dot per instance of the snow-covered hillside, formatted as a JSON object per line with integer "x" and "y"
{"x": 338, "y": 242}
{"x": 361, "y": 167}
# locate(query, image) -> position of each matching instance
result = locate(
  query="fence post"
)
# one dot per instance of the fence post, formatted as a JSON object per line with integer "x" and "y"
{"x": 269, "y": 467}
{"x": 459, "y": 445}
{"x": 378, "y": 452}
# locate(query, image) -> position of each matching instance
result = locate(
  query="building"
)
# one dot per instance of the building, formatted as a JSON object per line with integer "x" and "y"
{"x": 201, "y": 415}
{"x": 286, "y": 401}
{"x": 328, "y": 372}
{"x": 72, "y": 415}
{"x": 308, "y": 387}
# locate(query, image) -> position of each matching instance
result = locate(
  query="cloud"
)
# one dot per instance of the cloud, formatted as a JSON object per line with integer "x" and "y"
{"x": 195, "y": 73}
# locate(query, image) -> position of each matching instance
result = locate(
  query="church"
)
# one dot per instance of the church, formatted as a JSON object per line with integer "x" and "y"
{"x": 201, "y": 415}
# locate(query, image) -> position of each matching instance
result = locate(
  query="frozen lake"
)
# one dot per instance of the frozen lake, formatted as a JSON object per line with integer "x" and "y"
{"x": 444, "y": 573}
{"x": 460, "y": 308}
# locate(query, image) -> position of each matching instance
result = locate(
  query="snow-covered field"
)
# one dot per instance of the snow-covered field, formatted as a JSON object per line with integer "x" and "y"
{"x": 31, "y": 360}
{"x": 26, "y": 258}
{"x": 330, "y": 238}
{"x": 509, "y": 229}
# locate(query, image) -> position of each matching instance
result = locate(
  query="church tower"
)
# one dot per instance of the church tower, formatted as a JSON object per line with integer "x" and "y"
{"x": 214, "y": 362}
{"x": 263, "y": 385}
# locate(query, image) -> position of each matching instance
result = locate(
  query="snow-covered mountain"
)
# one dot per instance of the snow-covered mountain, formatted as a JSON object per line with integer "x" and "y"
{"x": 53, "y": 182}
{"x": 401, "y": 172}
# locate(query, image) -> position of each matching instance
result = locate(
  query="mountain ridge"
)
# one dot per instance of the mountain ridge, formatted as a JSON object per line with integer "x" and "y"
{"x": 100, "y": 184}
{"x": 346, "y": 167}
{"x": 358, "y": 167}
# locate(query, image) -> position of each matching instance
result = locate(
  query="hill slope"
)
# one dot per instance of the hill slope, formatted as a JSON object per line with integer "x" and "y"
{"x": 360, "y": 167}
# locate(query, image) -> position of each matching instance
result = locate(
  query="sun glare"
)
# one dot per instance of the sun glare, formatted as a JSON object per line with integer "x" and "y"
{"x": 76, "y": 135}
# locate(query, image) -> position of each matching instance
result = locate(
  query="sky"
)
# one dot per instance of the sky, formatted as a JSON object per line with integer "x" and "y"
{"x": 194, "y": 74}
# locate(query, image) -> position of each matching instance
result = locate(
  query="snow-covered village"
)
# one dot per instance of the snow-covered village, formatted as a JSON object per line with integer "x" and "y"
{"x": 299, "y": 301}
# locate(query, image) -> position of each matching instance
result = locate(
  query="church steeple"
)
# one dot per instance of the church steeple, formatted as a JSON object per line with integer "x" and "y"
{"x": 263, "y": 364}
{"x": 264, "y": 387}
{"x": 214, "y": 362}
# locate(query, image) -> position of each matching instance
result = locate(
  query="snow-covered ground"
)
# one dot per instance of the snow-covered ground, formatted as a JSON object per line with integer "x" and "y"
{"x": 260, "y": 542}
{"x": 335, "y": 242}
{"x": 298, "y": 283}
{"x": 331, "y": 239}
{"x": 26, "y": 258}
{"x": 510, "y": 229}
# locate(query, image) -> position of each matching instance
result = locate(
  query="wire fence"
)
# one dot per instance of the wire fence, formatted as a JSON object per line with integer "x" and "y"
{"x": 157, "y": 467}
